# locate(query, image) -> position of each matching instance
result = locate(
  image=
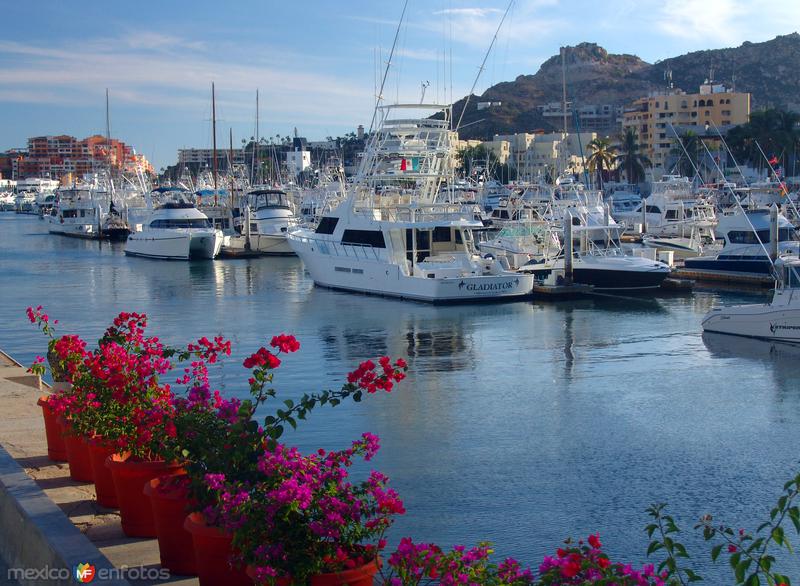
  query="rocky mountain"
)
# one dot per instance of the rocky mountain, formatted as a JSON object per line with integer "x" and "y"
{"x": 593, "y": 76}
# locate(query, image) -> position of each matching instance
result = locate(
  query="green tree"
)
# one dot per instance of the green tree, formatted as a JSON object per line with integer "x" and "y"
{"x": 776, "y": 131}
{"x": 602, "y": 158}
{"x": 630, "y": 158}
{"x": 692, "y": 146}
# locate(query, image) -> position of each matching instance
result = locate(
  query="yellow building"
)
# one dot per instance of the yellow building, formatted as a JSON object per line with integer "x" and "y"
{"x": 651, "y": 117}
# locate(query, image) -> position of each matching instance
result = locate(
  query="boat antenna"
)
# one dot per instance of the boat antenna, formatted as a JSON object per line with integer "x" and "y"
{"x": 483, "y": 64}
{"x": 214, "y": 139}
{"x": 379, "y": 97}
{"x": 739, "y": 204}
{"x": 254, "y": 159}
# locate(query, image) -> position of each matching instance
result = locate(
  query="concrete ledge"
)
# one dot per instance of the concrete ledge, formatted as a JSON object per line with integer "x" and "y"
{"x": 35, "y": 534}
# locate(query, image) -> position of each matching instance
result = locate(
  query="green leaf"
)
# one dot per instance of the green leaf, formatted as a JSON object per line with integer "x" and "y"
{"x": 654, "y": 546}
{"x": 740, "y": 569}
{"x": 692, "y": 576}
{"x": 777, "y": 535}
{"x": 650, "y": 529}
{"x": 289, "y": 403}
{"x": 753, "y": 580}
{"x": 734, "y": 559}
{"x": 715, "y": 552}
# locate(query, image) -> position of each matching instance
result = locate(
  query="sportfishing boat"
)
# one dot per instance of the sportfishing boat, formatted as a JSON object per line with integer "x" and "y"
{"x": 390, "y": 236}
{"x": 270, "y": 220}
{"x": 672, "y": 210}
{"x": 177, "y": 231}
{"x": 76, "y": 213}
{"x": 747, "y": 243}
{"x": 778, "y": 320}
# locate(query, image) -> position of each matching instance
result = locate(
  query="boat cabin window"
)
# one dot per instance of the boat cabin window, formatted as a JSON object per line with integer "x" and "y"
{"x": 181, "y": 223}
{"x": 372, "y": 238}
{"x": 70, "y": 213}
{"x": 441, "y": 234}
{"x": 653, "y": 210}
{"x": 749, "y": 237}
{"x": 327, "y": 225}
{"x": 271, "y": 200}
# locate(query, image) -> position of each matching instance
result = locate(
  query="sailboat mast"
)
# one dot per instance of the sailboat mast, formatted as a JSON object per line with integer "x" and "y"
{"x": 255, "y": 152}
{"x": 564, "y": 86}
{"x": 214, "y": 139}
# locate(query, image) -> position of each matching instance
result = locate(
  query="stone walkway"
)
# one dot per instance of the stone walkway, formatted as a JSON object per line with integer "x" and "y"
{"x": 22, "y": 435}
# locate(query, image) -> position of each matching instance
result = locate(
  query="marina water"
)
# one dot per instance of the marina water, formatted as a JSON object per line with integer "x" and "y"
{"x": 520, "y": 423}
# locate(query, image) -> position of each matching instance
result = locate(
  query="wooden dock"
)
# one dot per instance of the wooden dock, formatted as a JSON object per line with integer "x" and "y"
{"x": 728, "y": 277}
{"x": 561, "y": 291}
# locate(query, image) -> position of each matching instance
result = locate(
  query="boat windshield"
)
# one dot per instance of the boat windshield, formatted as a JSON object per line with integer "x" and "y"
{"x": 182, "y": 223}
{"x": 749, "y": 237}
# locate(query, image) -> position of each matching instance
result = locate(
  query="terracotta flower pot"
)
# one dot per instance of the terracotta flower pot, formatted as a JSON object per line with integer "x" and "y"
{"x": 80, "y": 465}
{"x": 212, "y": 552}
{"x": 104, "y": 488}
{"x": 130, "y": 476}
{"x": 251, "y": 572}
{"x": 361, "y": 576}
{"x": 169, "y": 500}
{"x": 56, "y": 450}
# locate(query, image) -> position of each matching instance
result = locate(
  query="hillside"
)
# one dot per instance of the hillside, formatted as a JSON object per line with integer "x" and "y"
{"x": 594, "y": 76}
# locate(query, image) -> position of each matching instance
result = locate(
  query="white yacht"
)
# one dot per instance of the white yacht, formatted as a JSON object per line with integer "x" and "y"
{"x": 271, "y": 217}
{"x": 390, "y": 236}
{"x": 176, "y": 231}
{"x": 76, "y": 213}
{"x": 778, "y": 320}
{"x": 747, "y": 242}
{"x": 672, "y": 209}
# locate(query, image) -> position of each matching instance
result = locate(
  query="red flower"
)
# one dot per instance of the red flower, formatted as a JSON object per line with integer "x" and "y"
{"x": 570, "y": 569}
{"x": 732, "y": 549}
{"x": 594, "y": 541}
{"x": 603, "y": 562}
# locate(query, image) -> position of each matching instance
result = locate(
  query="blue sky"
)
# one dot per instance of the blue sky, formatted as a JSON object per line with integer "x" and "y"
{"x": 313, "y": 61}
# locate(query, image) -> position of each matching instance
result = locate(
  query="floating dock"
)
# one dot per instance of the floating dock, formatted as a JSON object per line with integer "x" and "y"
{"x": 561, "y": 291}
{"x": 729, "y": 277}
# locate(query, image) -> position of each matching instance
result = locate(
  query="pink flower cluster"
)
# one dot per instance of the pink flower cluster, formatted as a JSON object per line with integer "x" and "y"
{"x": 588, "y": 564}
{"x": 417, "y": 563}
{"x": 308, "y": 506}
{"x": 367, "y": 377}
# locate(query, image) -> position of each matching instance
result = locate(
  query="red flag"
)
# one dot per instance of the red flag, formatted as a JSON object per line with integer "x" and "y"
{"x": 403, "y": 164}
{"x": 773, "y": 160}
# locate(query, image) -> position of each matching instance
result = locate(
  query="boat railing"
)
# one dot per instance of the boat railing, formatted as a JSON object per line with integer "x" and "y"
{"x": 347, "y": 250}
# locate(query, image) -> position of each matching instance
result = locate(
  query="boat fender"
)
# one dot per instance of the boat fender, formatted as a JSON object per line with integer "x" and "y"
{"x": 488, "y": 256}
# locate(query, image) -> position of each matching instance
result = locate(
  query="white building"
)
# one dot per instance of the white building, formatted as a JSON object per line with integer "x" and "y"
{"x": 298, "y": 161}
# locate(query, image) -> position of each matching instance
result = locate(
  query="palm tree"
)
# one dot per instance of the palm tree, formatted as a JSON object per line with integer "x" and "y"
{"x": 692, "y": 145}
{"x": 602, "y": 158}
{"x": 630, "y": 158}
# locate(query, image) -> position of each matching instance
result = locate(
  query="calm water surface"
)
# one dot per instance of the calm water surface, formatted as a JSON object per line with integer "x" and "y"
{"x": 520, "y": 423}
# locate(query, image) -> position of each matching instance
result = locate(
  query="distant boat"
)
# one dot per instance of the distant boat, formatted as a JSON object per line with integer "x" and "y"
{"x": 176, "y": 231}
{"x": 746, "y": 237}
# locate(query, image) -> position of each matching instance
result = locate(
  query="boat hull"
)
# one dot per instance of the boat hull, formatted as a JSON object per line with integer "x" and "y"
{"x": 382, "y": 278}
{"x": 755, "y": 321}
{"x": 609, "y": 273}
{"x": 175, "y": 246}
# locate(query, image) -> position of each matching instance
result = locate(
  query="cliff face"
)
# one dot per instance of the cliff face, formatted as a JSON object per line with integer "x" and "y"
{"x": 769, "y": 71}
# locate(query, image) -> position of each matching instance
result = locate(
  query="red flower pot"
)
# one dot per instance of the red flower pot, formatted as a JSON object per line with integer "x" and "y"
{"x": 56, "y": 450}
{"x": 169, "y": 499}
{"x": 251, "y": 572}
{"x": 361, "y": 576}
{"x": 130, "y": 475}
{"x": 80, "y": 465}
{"x": 99, "y": 450}
{"x": 212, "y": 552}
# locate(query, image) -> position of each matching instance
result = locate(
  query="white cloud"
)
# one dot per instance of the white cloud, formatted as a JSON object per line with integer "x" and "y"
{"x": 168, "y": 71}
